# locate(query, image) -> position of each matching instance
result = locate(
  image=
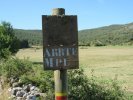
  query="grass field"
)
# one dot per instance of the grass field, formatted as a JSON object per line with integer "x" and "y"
{"x": 107, "y": 62}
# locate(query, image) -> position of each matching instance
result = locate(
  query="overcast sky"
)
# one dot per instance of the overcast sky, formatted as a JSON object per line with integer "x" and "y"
{"x": 26, "y": 14}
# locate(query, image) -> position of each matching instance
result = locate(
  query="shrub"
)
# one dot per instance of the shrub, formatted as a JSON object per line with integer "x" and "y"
{"x": 79, "y": 86}
{"x": 15, "y": 67}
{"x": 39, "y": 78}
{"x": 82, "y": 88}
{"x": 99, "y": 43}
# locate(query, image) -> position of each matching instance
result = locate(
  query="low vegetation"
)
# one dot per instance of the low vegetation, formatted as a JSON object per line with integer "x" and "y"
{"x": 107, "y": 62}
{"x": 80, "y": 87}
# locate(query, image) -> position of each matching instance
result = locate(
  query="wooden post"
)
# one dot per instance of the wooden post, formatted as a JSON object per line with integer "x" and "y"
{"x": 60, "y": 84}
{"x": 60, "y": 76}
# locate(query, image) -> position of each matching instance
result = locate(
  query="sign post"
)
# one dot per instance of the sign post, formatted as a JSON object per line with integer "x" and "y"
{"x": 60, "y": 76}
{"x": 60, "y": 48}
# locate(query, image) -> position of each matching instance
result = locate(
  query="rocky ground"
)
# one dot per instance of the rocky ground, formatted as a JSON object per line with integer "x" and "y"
{"x": 26, "y": 92}
{"x": 22, "y": 92}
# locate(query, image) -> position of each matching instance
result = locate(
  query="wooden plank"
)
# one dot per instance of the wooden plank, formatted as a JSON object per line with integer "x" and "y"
{"x": 60, "y": 42}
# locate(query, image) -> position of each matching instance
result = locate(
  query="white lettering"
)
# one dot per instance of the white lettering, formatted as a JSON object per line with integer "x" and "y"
{"x": 65, "y": 62}
{"x": 49, "y": 62}
{"x": 74, "y": 50}
{"x": 53, "y": 53}
{"x": 57, "y": 57}
{"x": 56, "y": 52}
{"x": 47, "y": 53}
{"x": 46, "y": 62}
{"x": 59, "y": 51}
{"x": 63, "y": 52}
{"x": 57, "y": 63}
{"x": 68, "y": 52}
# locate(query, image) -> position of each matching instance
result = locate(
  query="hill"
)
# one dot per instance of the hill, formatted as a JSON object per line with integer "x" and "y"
{"x": 108, "y": 35}
{"x": 34, "y": 37}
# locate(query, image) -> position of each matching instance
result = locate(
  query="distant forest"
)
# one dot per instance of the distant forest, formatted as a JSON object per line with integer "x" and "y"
{"x": 108, "y": 35}
{"x": 33, "y": 37}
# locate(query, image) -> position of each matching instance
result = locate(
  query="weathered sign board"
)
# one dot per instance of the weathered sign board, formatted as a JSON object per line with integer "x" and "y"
{"x": 60, "y": 42}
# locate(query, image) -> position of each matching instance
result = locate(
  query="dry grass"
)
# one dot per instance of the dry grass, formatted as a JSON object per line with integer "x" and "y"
{"x": 32, "y": 54}
{"x": 4, "y": 94}
{"x": 107, "y": 62}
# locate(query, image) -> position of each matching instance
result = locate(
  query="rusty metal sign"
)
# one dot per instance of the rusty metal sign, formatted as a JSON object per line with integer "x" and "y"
{"x": 60, "y": 42}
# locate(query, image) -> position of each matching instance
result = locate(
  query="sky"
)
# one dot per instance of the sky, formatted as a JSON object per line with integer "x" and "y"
{"x": 27, "y": 14}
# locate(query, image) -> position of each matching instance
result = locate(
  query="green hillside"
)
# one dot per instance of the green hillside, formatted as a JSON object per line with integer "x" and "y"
{"x": 34, "y": 37}
{"x": 108, "y": 35}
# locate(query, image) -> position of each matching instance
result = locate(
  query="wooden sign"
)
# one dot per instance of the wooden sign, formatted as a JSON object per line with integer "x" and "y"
{"x": 60, "y": 42}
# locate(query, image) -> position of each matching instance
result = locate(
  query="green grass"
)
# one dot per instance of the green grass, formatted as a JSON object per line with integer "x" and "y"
{"x": 107, "y": 62}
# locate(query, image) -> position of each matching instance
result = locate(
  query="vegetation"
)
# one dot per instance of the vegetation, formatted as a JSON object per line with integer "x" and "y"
{"x": 34, "y": 37}
{"x": 8, "y": 42}
{"x": 108, "y": 35}
{"x": 107, "y": 62}
{"x": 86, "y": 89}
{"x": 80, "y": 86}
{"x": 15, "y": 68}
{"x": 23, "y": 44}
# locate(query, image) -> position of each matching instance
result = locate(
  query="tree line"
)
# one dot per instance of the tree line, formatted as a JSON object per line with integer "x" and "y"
{"x": 109, "y": 35}
{"x": 33, "y": 37}
{"x": 103, "y": 36}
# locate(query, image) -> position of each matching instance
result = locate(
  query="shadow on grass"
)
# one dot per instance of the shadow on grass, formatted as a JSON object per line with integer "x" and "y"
{"x": 38, "y": 63}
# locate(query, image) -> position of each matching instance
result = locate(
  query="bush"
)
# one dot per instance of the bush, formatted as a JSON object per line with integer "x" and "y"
{"x": 79, "y": 86}
{"x": 15, "y": 67}
{"x": 39, "y": 78}
{"x": 82, "y": 88}
{"x": 99, "y": 43}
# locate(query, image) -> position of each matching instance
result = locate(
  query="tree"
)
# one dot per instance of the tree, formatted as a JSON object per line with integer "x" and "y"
{"x": 9, "y": 44}
{"x": 24, "y": 44}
